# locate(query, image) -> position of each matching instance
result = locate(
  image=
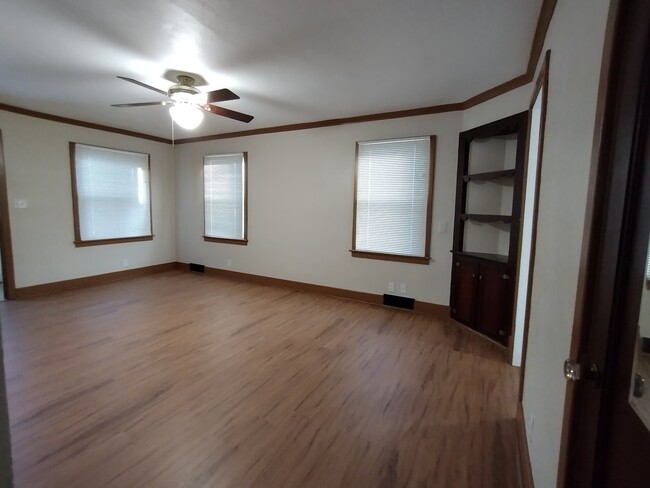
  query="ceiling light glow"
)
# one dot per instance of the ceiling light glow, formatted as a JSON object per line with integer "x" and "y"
{"x": 186, "y": 115}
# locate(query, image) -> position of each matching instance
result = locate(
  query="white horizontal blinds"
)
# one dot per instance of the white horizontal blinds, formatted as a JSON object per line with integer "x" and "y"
{"x": 392, "y": 196}
{"x": 112, "y": 193}
{"x": 223, "y": 179}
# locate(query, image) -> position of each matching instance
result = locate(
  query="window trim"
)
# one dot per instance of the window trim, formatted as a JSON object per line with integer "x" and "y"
{"x": 78, "y": 241}
{"x": 225, "y": 240}
{"x": 404, "y": 258}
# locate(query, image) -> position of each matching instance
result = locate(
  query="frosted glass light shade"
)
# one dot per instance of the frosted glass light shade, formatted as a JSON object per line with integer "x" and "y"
{"x": 187, "y": 116}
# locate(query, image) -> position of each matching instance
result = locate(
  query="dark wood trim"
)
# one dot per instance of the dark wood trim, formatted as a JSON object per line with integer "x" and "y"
{"x": 435, "y": 109}
{"x": 239, "y": 242}
{"x": 245, "y": 171}
{"x": 78, "y": 241}
{"x": 490, "y": 175}
{"x": 486, "y": 218}
{"x": 356, "y": 188}
{"x": 120, "y": 240}
{"x": 426, "y": 308}
{"x": 59, "y": 286}
{"x": 9, "y": 278}
{"x": 432, "y": 171}
{"x": 524, "y": 455}
{"x": 80, "y": 123}
{"x": 390, "y": 257}
{"x": 543, "y": 23}
{"x": 75, "y": 193}
{"x": 541, "y": 86}
{"x": 498, "y": 90}
{"x": 149, "y": 177}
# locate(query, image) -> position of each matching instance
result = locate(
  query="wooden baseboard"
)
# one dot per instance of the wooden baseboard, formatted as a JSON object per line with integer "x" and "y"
{"x": 524, "y": 456}
{"x": 425, "y": 308}
{"x": 59, "y": 286}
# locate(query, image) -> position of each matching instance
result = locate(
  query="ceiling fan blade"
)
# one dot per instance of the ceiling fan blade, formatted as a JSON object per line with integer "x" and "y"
{"x": 140, "y": 104}
{"x": 222, "y": 95}
{"x": 231, "y": 114}
{"x": 131, "y": 80}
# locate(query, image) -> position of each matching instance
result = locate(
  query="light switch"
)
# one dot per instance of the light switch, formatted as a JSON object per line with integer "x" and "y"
{"x": 20, "y": 203}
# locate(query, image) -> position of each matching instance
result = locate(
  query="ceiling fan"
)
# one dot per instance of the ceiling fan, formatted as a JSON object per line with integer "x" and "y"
{"x": 188, "y": 103}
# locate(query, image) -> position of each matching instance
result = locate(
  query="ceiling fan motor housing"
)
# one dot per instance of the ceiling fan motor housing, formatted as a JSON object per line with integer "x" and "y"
{"x": 184, "y": 90}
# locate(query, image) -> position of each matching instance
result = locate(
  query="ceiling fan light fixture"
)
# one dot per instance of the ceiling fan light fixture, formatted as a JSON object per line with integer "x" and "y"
{"x": 186, "y": 115}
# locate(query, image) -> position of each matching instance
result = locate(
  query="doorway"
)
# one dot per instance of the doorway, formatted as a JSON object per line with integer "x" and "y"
{"x": 6, "y": 254}
{"x": 536, "y": 124}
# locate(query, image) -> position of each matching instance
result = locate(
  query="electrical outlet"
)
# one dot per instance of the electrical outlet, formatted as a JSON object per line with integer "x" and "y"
{"x": 402, "y": 287}
{"x": 125, "y": 262}
{"x": 391, "y": 286}
{"x": 20, "y": 203}
{"x": 442, "y": 227}
{"x": 229, "y": 263}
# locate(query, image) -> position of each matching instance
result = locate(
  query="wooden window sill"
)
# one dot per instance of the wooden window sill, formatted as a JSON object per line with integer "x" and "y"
{"x": 222, "y": 240}
{"x": 119, "y": 240}
{"x": 391, "y": 257}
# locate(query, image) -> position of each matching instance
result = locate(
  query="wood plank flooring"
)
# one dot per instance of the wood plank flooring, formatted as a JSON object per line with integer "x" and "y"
{"x": 184, "y": 380}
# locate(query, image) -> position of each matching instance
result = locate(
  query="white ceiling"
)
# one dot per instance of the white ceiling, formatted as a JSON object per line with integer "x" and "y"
{"x": 290, "y": 61}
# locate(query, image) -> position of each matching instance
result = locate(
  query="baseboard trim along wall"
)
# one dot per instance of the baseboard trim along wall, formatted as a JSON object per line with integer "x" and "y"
{"x": 359, "y": 296}
{"x": 59, "y": 286}
{"x": 524, "y": 456}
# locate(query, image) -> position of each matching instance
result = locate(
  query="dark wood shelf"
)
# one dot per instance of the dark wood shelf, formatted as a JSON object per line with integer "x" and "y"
{"x": 482, "y": 293}
{"x": 499, "y": 258}
{"x": 486, "y": 218}
{"x": 491, "y": 175}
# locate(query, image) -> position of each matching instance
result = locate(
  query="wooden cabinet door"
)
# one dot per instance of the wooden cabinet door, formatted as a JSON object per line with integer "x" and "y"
{"x": 464, "y": 284}
{"x": 493, "y": 315}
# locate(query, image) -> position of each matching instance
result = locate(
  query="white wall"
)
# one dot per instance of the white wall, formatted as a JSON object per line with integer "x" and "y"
{"x": 509, "y": 103}
{"x": 37, "y": 163}
{"x": 576, "y": 42}
{"x": 301, "y": 191}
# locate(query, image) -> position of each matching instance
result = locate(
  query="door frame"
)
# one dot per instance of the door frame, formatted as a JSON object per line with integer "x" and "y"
{"x": 614, "y": 154}
{"x": 8, "y": 275}
{"x": 540, "y": 90}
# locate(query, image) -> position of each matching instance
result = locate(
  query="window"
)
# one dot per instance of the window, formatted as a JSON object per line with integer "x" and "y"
{"x": 110, "y": 195}
{"x": 224, "y": 187}
{"x": 393, "y": 199}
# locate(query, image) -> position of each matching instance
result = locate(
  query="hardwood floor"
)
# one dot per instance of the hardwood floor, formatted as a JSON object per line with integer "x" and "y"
{"x": 183, "y": 380}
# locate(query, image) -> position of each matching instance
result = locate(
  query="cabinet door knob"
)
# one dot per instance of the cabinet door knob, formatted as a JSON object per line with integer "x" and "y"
{"x": 502, "y": 333}
{"x": 506, "y": 276}
{"x": 457, "y": 263}
{"x": 480, "y": 277}
{"x": 473, "y": 275}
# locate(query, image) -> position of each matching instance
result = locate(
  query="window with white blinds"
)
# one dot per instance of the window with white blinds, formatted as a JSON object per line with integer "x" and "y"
{"x": 393, "y": 198}
{"x": 111, "y": 195}
{"x": 224, "y": 183}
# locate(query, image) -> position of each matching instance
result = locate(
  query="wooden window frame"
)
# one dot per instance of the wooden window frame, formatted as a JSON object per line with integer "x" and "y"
{"x": 225, "y": 240}
{"x": 78, "y": 241}
{"x": 402, "y": 258}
